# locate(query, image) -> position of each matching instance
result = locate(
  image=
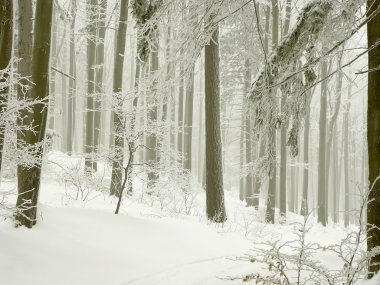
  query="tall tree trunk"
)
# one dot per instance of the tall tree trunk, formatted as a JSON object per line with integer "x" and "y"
{"x": 346, "y": 120}
{"x": 152, "y": 119}
{"x": 242, "y": 194}
{"x": 180, "y": 115}
{"x": 72, "y": 82}
{"x": 25, "y": 45}
{"x": 271, "y": 199}
{"x": 249, "y": 195}
{"x": 29, "y": 179}
{"x": 188, "y": 123}
{"x": 6, "y": 40}
{"x": 99, "y": 70}
{"x": 118, "y": 113}
{"x": 330, "y": 134}
{"x": 335, "y": 155}
{"x": 305, "y": 181}
{"x": 90, "y": 164}
{"x": 215, "y": 206}
{"x": 133, "y": 123}
{"x": 284, "y": 127}
{"x": 322, "y": 218}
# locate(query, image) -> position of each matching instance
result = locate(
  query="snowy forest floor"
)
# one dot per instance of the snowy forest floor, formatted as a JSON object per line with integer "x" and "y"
{"x": 152, "y": 240}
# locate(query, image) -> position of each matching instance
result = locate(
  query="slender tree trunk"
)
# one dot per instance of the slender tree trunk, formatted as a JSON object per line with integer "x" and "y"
{"x": 305, "y": 182}
{"x": 271, "y": 199}
{"x": 335, "y": 183}
{"x": 284, "y": 127}
{"x": 118, "y": 113}
{"x": 214, "y": 173}
{"x": 242, "y": 194}
{"x": 6, "y": 41}
{"x": 188, "y": 126}
{"x": 330, "y": 134}
{"x": 99, "y": 70}
{"x": 180, "y": 115}
{"x": 72, "y": 82}
{"x": 151, "y": 139}
{"x": 347, "y": 161}
{"x": 29, "y": 179}
{"x": 249, "y": 195}
{"x": 90, "y": 164}
{"x": 133, "y": 125}
{"x": 322, "y": 218}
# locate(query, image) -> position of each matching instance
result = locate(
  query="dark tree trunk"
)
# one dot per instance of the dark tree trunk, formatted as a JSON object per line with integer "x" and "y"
{"x": 214, "y": 173}
{"x": 118, "y": 117}
{"x": 373, "y": 134}
{"x": 6, "y": 34}
{"x": 29, "y": 178}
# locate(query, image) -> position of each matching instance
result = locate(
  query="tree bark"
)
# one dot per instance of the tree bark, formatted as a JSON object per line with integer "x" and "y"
{"x": 99, "y": 70}
{"x": 188, "y": 124}
{"x": 6, "y": 42}
{"x": 346, "y": 120}
{"x": 118, "y": 114}
{"x": 72, "y": 82}
{"x": 90, "y": 164}
{"x": 373, "y": 133}
{"x": 322, "y": 217}
{"x": 29, "y": 178}
{"x": 214, "y": 174}
{"x": 271, "y": 199}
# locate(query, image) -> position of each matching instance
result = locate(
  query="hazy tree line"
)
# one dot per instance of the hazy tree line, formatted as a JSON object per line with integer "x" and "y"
{"x": 260, "y": 98}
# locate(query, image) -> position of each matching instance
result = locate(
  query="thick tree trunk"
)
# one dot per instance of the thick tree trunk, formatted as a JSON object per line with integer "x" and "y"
{"x": 322, "y": 199}
{"x": 373, "y": 133}
{"x": 6, "y": 40}
{"x": 214, "y": 174}
{"x": 29, "y": 178}
{"x": 118, "y": 114}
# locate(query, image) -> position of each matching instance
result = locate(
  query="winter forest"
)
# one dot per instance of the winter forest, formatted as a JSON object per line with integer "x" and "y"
{"x": 189, "y": 142}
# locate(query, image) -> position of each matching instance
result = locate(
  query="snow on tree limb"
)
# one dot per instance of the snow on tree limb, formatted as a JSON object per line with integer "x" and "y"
{"x": 309, "y": 24}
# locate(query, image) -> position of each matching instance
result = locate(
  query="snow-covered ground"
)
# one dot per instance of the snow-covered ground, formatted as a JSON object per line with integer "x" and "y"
{"x": 80, "y": 243}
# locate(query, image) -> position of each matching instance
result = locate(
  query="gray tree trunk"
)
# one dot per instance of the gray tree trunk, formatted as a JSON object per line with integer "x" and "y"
{"x": 99, "y": 70}
{"x": 90, "y": 164}
{"x": 29, "y": 178}
{"x": 346, "y": 120}
{"x": 322, "y": 199}
{"x": 305, "y": 181}
{"x": 6, "y": 41}
{"x": 271, "y": 199}
{"x": 284, "y": 127}
{"x": 215, "y": 206}
{"x": 118, "y": 114}
{"x": 72, "y": 82}
{"x": 188, "y": 124}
